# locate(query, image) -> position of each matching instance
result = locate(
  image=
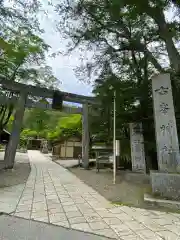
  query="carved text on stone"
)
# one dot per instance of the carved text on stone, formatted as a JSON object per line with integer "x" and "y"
{"x": 162, "y": 90}
{"x": 164, "y": 108}
{"x": 166, "y": 128}
{"x": 137, "y": 145}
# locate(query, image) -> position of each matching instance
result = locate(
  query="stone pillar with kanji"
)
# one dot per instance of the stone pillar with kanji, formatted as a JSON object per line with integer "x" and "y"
{"x": 166, "y": 181}
{"x": 165, "y": 124}
{"x": 137, "y": 148}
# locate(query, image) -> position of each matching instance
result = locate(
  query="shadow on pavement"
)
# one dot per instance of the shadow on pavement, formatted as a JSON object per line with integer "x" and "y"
{"x": 13, "y": 228}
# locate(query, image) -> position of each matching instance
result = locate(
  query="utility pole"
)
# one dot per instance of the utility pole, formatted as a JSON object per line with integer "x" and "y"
{"x": 85, "y": 137}
{"x": 114, "y": 138}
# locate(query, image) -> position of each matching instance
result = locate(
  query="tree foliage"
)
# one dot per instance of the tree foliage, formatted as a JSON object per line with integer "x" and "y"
{"x": 66, "y": 127}
{"x": 50, "y": 125}
{"x": 126, "y": 95}
{"x": 114, "y": 27}
{"x": 22, "y": 51}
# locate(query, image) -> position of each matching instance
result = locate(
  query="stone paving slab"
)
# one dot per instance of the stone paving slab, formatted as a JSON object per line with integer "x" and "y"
{"x": 54, "y": 195}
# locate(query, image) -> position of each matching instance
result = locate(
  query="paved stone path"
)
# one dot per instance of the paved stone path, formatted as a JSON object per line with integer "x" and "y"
{"x": 54, "y": 195}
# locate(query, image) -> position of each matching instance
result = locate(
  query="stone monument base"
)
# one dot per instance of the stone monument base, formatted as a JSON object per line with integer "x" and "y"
{"x": 156, "y": 201}
{"x": 166, "y": 184}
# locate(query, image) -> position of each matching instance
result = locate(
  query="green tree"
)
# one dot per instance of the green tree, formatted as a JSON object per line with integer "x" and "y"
{"x": 51, "y": 125}
{"x": 105, "y": 21}
{"x": 134, "y": 39}
{"x": 167, "y": 31}
{"x": 22, "y": 51}
{"x": 37, "y": 120}
{"x": 111, "y": 34}
{"x": 21, "y": 13}
{"x": 66, "y": 127}
{"x": 126, "y": 96}
{"x": 28, "y": 133}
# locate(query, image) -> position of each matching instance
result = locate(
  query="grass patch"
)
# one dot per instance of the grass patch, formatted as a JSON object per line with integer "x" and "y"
{"x": 122, "y": 204}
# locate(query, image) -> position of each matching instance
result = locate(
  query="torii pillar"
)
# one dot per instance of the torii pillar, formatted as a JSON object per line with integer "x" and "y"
{"x": 85, "y": 136}
{"x": 11, "y": 148}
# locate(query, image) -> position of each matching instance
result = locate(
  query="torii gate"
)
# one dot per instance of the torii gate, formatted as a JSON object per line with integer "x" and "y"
{"x": 24, "y": 90}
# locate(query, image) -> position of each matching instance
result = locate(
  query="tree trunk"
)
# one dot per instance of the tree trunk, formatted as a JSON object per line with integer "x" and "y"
{"x": 145, "y": 125}
{"x": 165, "y": 34}
{"x": 10, "y": 152}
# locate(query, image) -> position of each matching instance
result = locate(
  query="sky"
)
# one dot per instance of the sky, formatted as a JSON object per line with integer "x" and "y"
{"x": 63, "y": 66}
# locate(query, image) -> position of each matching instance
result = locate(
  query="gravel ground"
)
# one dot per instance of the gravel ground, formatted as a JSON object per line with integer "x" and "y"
{"x": 128, "y": 190}
{"x": 18, "y": 174}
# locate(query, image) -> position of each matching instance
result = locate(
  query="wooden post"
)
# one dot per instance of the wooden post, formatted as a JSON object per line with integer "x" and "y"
{"x": 85, "y": 137}
{"x": 14, "y": 138}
